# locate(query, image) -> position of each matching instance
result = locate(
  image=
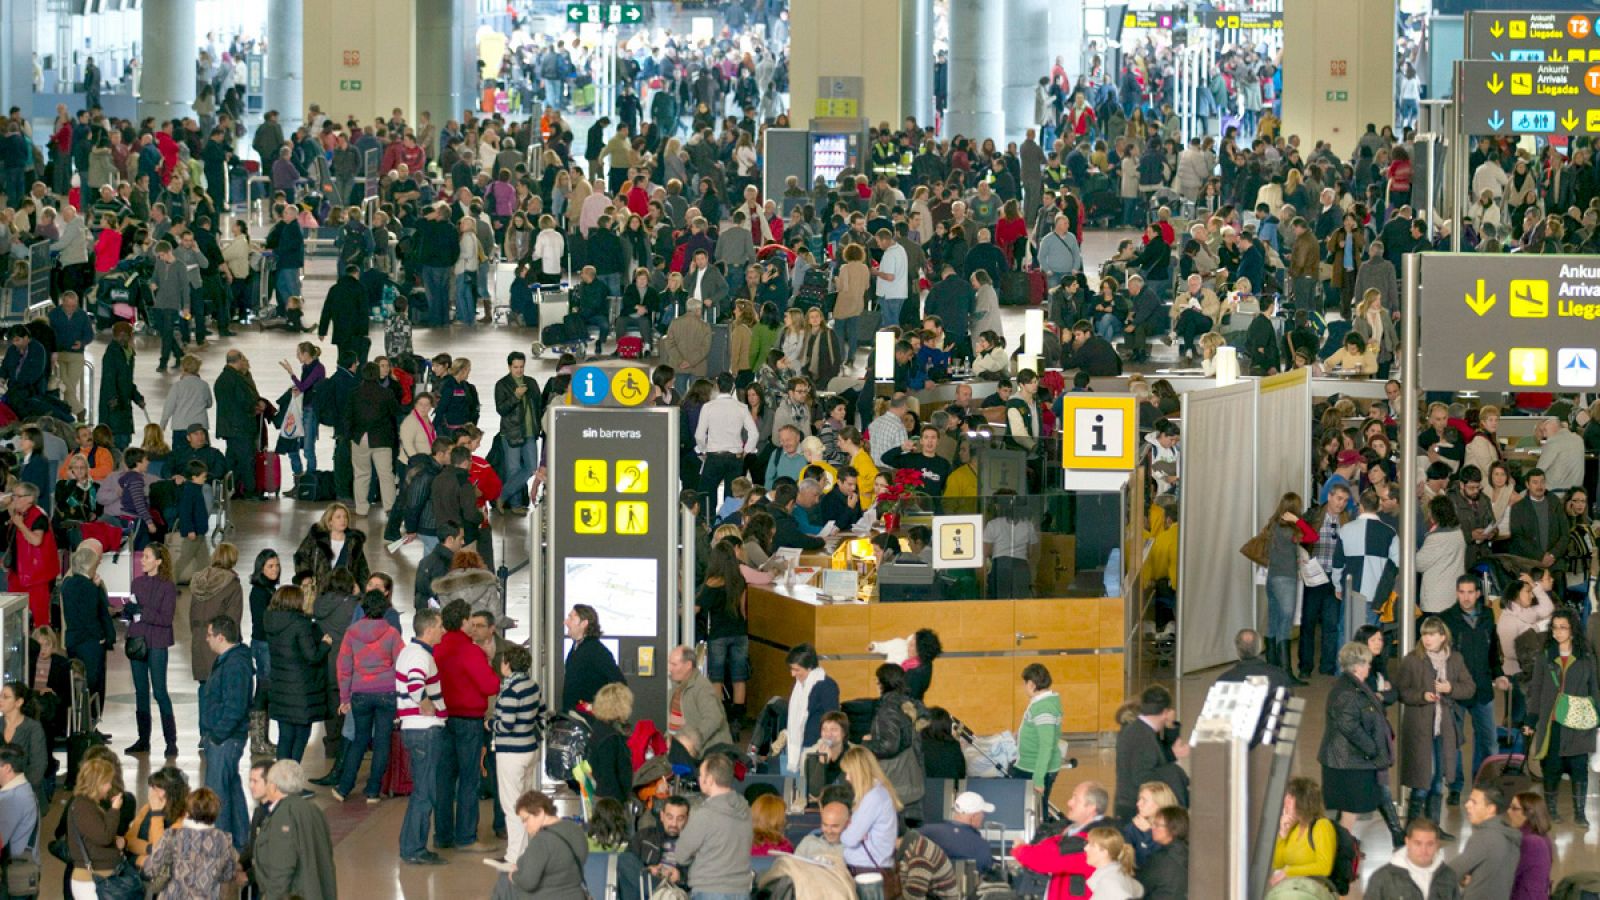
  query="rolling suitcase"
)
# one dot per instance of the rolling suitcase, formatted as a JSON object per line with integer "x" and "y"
{"x": 397, "y": 777}
{"x": 1507, "y": 771}
{"x": 269, "y": 472}
{"x": 718, "y": 360}
{"x": 1038, "y": 287}
{"x": 630, "y": 346}
{"x": 1014, "y": 288}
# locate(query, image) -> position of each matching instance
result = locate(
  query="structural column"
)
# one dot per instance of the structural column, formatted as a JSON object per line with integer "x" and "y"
{"x": 446, "y": 68}
{"x": 167, "y": 42}
{"x": 1025, "y": 61}
{"x": 916, "y": 60}
{"x": 16, "y": 56}
{"x": 285, "y": 77}
{"x": 977, "y": 47}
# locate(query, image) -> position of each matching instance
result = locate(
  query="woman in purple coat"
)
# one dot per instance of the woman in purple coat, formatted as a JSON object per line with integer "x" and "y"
{"x": 1529, "y": 813}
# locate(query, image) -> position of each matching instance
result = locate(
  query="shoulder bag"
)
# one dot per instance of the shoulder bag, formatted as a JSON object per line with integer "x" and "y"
{"x": 1256, "y": 549}
{"x": 1574, "y": 711}
{"x": 124, "y": 882}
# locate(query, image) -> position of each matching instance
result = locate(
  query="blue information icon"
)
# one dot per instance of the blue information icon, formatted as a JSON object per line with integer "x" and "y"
{"x": 591, "y": 385}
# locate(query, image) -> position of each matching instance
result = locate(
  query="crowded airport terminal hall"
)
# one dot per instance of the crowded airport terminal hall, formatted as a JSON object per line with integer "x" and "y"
{"x": 799, "y": 449}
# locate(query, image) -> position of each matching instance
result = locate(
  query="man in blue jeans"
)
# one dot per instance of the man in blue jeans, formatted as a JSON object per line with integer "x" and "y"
{"x": 467, "y": 683}
{"x": 225, "y": 723}
{"x": 1472, "y": 636}
{"x": 420, "y": 710}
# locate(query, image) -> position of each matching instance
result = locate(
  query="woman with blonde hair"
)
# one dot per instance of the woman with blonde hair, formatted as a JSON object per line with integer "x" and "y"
{"x": 852, "y": 282}
{"x": 869, "y": 839}
{"x": 1483, "y": 450}
{"x": 1431, "y": 680}
{"x": 156, "y": 449}
{"x": 189, "y": 400}
{"x": 1376, "y": 327}
{"x": 1112, "y": 860}
{"x": 1154, "y": 796}
{"x": 93, "y": 844}
{"x": 549, "y": 248}
{"x": 741, "y": 335}
{"x": 792, "y": 339}
{"x": 331, "y": 544}
{"x": 610, "y": 760}
{"x": 817, "y": 465}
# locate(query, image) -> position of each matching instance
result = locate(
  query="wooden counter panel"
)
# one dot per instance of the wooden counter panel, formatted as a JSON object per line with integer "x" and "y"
{"x": 982, "y": 691}
{"x": 1060, "y": 624}
{"x": 831, "y": 629}
{"x": 1113, "y": 619}
{"x": 965, "y": 625}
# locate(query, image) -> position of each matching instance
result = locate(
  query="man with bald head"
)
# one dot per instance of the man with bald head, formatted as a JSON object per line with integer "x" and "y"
{"x": 825, "y": 841}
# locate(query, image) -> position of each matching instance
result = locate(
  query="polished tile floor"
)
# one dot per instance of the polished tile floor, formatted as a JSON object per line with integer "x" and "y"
{"x": 366, "y": 836}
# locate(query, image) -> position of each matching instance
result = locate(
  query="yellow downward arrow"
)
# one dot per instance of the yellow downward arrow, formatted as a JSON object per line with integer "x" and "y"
{"x": 1570, "y": 122}
{"x": 1480, "y": 304}
{"x": 1495, "y": 84}
{"x": 1477, "y": 369}
{"x": 1496, "y": 30}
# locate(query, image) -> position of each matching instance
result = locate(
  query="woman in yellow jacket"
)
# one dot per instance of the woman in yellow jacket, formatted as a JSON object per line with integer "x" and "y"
{"x": 850, "y": 444}
{"x": 961, "y": 485}
{"x": 162, "y": 811}
{"x": 1306, "y": 839}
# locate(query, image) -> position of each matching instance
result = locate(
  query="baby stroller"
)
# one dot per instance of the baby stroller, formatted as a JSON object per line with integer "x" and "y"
{"x": 123, "y": 295}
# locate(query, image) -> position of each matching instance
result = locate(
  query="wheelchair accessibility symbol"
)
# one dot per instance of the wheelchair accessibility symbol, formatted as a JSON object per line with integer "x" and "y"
{"x": 630, "y": 387}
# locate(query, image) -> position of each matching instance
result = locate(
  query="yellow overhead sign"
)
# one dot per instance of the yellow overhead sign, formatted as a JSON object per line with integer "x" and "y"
{"x": 1099, "y": 432}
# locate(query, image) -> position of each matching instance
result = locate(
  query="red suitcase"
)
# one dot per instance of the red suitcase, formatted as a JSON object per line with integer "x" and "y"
{"x": 269, "y": 473}
{"x": 397, "y": 777}
{"x": 1038, "y": 288}
{"x": 630, "y": 346}
{"x": 109, "y": 536}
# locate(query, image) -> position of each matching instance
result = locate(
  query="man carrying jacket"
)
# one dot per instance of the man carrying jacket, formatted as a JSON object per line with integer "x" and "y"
{"x": 373, "y": 437}
{"x": 516, "y": 399}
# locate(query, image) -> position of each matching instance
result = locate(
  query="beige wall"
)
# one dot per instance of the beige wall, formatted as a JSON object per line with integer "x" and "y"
{"x": 845, "y": 38}
{"x": 1316, "y": 34}
{"x": 383, "y": 32}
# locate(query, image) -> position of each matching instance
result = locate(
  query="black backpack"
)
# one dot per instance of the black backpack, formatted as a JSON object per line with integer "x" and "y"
{"x": 1347, "y": 859}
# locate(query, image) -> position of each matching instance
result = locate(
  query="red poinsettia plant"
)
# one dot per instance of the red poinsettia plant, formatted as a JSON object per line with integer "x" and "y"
{"x": 902, "y": 492}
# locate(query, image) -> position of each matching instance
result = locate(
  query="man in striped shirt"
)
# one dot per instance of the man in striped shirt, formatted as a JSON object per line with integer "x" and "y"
{"x": 420, "y": 709}
{"x": 518, "y": 712}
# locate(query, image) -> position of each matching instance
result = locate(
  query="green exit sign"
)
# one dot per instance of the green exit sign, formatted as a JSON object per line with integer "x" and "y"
{"x": 1337, "y": 96}
{"x": 605, "y": 13}
{"x": 349, "y": 84}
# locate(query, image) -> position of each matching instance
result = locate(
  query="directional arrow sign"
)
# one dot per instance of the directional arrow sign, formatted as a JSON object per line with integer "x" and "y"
{"x": 632, "y": 12}
{"x": 1535, "y": 35}
{"x": 1474, "y": 342}
{"x": 577, "y": 12}
{"x": 1551, "y": 98}
{"x": 1479, "y": 303}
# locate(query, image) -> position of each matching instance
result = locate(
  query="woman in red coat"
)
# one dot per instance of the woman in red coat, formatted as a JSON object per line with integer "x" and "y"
{"x": 1011, "y": 232}
{"x": 35, "y": 561}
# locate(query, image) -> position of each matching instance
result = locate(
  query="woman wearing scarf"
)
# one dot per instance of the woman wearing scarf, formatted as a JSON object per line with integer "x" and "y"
{"x": 1431, "y": 680}
{"x": 416, "y": 428}
{"x": 814, "y": 695}
{"x": 1561, "y": 712}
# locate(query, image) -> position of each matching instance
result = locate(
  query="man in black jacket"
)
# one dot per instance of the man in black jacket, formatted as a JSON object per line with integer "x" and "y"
{"x": 332, "y": 400}
{"x": 237, "y": 425}
{"x": 591, "y": 301}
{"x": 1473, "y": 637}
{"x": 345, "y": 311}
{"x": 952, "y": 300}
{"x": 454, "y": 497}
{"x": 603, "y": 250}
{"x": 590, "y": 666}
{"x": 842, "y": 504}
{"x": 788, "y": 533}
{"x": 516, "y": 399}
{"x": 417, "y": 500}
{"x": 435, "y": 248}
{"x": 1090, "y": 352}
{"x": 1148, "y": 749}
{"x": 373, "y": 434}
{"x": 1146, "y": 316}
{"x": 436, "y": 563}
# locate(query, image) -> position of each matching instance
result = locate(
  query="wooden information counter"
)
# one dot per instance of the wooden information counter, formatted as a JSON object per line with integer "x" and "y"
{"x": 986, "y": 645}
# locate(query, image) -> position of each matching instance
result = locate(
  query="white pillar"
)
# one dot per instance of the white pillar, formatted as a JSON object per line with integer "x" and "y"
{"x": 446, "y": 58}
{"x": 916, "y": 61}
{"x": 167, "y": 50}
{"x": 977, "y": 47}
{"x": 286, "y": 74}
{"x": 1025, "y": 61}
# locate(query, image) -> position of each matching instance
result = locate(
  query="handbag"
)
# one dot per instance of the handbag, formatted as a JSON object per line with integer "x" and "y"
{"x": 124, "y": 882}
{"x": 1311, "y": 573}
{"x": 1255, "y": 549}
{"x": 1577, "y": 712}
{"x": 136, "y": 647}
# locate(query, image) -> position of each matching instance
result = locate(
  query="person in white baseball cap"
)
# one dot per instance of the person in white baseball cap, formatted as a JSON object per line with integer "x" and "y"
{"x": 962, "y": 836}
